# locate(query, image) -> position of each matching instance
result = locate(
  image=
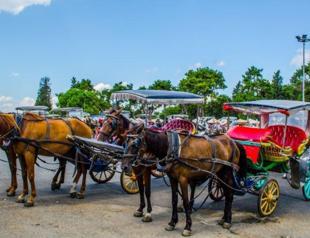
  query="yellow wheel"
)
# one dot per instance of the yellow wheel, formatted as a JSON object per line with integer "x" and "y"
{"x": 268, "y": 198}
{"x": 129, "y": 183}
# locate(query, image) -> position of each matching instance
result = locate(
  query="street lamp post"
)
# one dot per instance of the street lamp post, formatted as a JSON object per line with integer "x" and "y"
{"x": 303, "y": 39}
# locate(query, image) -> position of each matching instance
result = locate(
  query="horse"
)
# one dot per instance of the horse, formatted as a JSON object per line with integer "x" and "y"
{"x": 116, "y": 126}
{"x": 193, "y": 161}
{"x": 40, "y": 136}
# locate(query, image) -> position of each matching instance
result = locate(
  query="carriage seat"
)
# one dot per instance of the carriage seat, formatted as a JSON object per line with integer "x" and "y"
{"x": 176, "y": 124}
{"x": 249, "y": 133}
{"x": 294, "y": 136}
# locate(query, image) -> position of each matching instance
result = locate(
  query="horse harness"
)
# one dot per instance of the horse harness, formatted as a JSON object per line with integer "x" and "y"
{"x": 175, "y": 146}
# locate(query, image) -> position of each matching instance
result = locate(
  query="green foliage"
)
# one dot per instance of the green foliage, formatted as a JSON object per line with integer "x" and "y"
{"x": 253, "y": 86}
{"x": 203, "y": 81}
{"x": 170, "y": 111}
{"x": 82, "y": 94}
{"x": 215, "y": 106}
{"x": 162, "y": 85}
{"x": 44, "y": 93}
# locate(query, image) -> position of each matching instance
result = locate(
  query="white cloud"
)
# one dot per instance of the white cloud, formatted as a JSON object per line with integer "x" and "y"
{"x": 27, "y": 101}
{"x": 101, "y": 86}
{"x": 220, "y": 63}
{"x": 14, "y": 74}
{"x": 197, "y": 65}
{"x": 8, "y": 104}
{"x": 54, "y": 101}
{"x": 298, "y": 57}
{"x": 17, "y": 6}
{"x": 151, "y": 70}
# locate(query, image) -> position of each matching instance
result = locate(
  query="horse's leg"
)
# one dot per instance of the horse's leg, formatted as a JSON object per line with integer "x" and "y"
{"x": 76, "y": 179}
{"x": 12, "y": 162}
{"x": 229, "y": 195}
{"x": 138, "y": 172}
{"x": 30, "y": 162}
{"x": 22, "y": 196}
{"x": 174, "y": 193}
{"x": 192, "y": 198}
{"x": 63, "y": 171}
{"x": 81, "y": 195}
{"x": 184, "y": 188}
{"x": 147, "y": 183}
{"x": 54, "y": 184}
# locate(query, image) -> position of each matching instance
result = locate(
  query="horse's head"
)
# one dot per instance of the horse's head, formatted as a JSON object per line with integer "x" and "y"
{"x": 135, "y": 147}
{"x": 114, "y": 125}
{"x": 7, "y": 125}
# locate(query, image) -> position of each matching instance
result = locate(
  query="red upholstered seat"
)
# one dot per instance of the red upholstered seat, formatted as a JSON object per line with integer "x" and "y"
{"x": 244, "y": 133}
{"x": 249, "y": 133}
{"x": 294, "y": 136}
{"x": 177, "y": 124}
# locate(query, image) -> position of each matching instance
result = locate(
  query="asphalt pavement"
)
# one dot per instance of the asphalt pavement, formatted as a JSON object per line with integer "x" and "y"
{"x": 107, "y": 211}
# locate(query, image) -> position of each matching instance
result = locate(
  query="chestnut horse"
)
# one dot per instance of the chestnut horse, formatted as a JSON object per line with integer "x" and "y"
{"x": 40, "y": 136}
{"x": 193, "y": 163}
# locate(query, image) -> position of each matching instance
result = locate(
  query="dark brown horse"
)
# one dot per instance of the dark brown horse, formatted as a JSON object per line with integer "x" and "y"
{"x": 40, "y": 136}
{"x": 195, "y": 159}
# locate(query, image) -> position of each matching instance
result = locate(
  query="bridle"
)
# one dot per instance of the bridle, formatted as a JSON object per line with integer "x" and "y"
{"x": 112, "y": 125}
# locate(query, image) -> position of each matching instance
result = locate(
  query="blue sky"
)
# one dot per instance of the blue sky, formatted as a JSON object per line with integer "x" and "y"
{"x": 139, "y": 41}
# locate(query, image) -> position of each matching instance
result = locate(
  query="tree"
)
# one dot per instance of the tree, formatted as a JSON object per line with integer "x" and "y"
{"x": 296, "y": 83}
{"x": 82, "y": 94}
{"x": 170, "y": 110}
{"x": 253, "y": 86}
{"x": 162, "y": 85}
{"x": 277, "y": 85}
{"x": 215, "y": 106}
{"x": 44, "y": 93}
{"x": 203, "y": 81}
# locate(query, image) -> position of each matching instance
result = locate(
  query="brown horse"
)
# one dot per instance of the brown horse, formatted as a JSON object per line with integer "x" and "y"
{"x": 41, "y": 136}
{"x": 116, "y": 125}
{"x": 195, "y": 159}
{"x": 7, "y": 146}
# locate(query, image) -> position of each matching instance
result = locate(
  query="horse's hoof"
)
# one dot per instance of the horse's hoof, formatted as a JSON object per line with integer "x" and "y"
{"x": 28, "y": 204}
{"x": 80, "y": 196}
{"x": 21, "y": 199}
{"x": 55, "y": 186}
{"x": 73, "y": 195}
{"x": 10, "y": 193}
{"x": 226, "y": 225}
{"x": 180, "y": 209}
{"x": 221, "y": 222}
{"x": 169, "y": 228}
{"x": 186, "y": 233}
{"x": 147, "y": 217}
{"x": 138, "y": 214}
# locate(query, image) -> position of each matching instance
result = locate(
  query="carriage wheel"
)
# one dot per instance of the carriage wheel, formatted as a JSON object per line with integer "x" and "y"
{"x": 157, "y": 174}
{"x": 268, "y": 198}
{"x": 129, "y": 183}
{"x": 306, "y": 190}
{"x": 103, "y": 176}
{"x": 216, "y": 191}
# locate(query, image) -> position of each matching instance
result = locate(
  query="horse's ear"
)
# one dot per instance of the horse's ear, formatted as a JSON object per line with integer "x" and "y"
{"x": 140, "y": 128}
{"x": 118, "y": 111}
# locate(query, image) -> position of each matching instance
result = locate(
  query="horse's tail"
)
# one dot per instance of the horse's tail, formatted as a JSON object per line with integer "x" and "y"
{"x": 242, "y": 160}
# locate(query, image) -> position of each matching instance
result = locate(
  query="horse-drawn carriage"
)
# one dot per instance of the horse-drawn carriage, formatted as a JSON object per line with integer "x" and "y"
{"x": 280, "y": 144}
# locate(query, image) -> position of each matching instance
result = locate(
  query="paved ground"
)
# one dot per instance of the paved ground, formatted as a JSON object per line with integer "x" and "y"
{"x": 107, "y": 212}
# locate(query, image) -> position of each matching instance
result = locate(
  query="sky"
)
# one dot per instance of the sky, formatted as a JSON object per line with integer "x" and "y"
{"x": 139, "y": 41}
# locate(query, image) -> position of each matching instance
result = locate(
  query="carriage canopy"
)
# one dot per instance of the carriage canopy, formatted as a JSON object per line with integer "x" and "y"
{"x": 161, "y": 97}
{"x": 260, "y": 107}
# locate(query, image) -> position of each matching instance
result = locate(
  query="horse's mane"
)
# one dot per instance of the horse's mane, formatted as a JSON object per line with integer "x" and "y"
{"x": 126, "y": 121}
{"x": 8, "y": 119}
{"x": 32, "y": 117}
{"x": 157, "y": 143}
